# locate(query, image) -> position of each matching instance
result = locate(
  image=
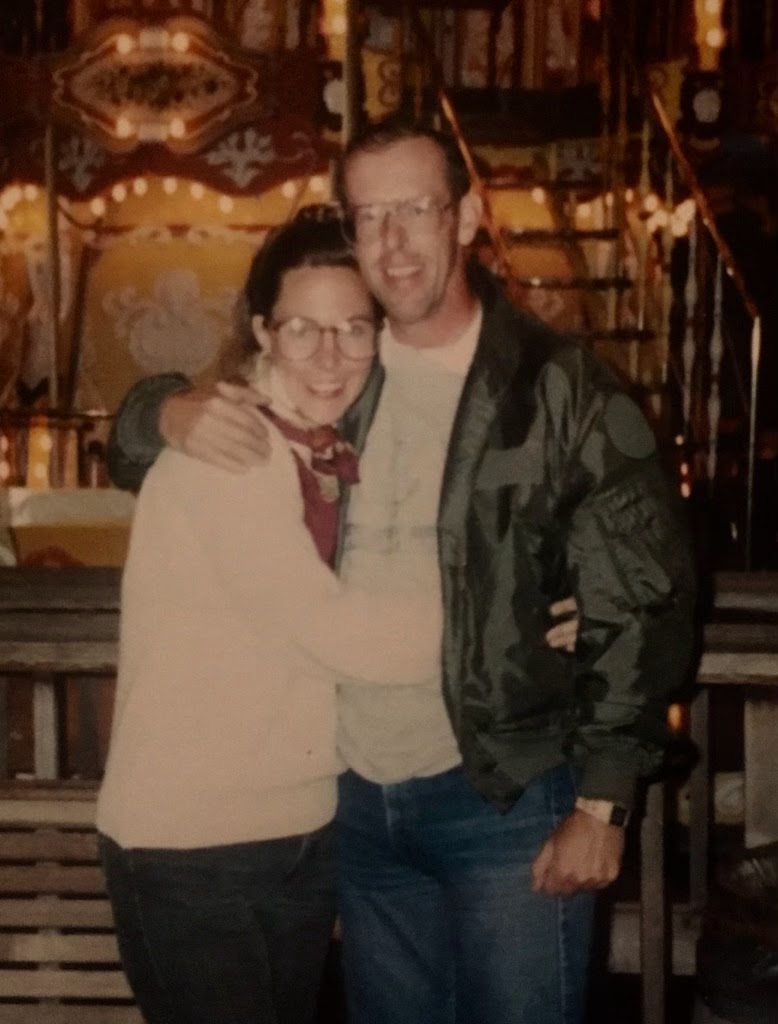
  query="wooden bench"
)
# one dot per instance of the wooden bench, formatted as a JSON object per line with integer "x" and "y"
{"x": 66, "y": 621}
{"x": 59, "y": 962}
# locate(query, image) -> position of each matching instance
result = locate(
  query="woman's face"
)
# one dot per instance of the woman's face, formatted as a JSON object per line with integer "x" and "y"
{"x": 323, "y": 384}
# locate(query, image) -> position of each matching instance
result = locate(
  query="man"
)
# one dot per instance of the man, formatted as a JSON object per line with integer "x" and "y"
{"x": 503, "y": 466}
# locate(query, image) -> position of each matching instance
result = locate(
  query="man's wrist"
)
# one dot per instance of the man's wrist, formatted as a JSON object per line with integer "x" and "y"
{"x": 606, "y": 811}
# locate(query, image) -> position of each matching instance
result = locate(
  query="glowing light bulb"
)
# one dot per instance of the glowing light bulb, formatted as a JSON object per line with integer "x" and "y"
{"x": 538, "y": 195}
{"x": 197, "y": 190}
{"x": 178, "y": 128}
{"x": 140, "y": 186}
{"x": 119, "y": 192}
{"x": 123, "y": 127}
{"x": 98, "y": 206}
{"x": 289, "y": 190}
{"x": 169, "y": 185}
{"x": 124, "y": 44}
{"x": 714, "y": 37}
{"x": 226, "y": 204}
{"x": 651, "y": 202}
{"x": 180, "y": 42}
{"x": 30, "y": 192}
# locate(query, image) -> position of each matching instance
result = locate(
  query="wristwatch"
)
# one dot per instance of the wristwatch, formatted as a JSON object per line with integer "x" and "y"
{"x": 606, "y": 811}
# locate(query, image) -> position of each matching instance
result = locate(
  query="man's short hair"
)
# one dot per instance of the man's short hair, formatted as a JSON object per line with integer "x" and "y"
{"x": 383, "y": 134}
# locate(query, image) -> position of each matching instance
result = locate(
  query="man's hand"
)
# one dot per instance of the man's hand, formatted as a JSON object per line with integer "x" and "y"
{"x": 581, "y": 853}
{"x": 220, "y": 425}
{"x": 563, "y": 635}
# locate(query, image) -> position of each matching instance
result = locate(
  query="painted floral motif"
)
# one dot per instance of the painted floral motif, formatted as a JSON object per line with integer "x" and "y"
{"x": 79, "y": 160}
{"x": 579, "y": 160}
{"x": 243, "y": 155}
{"x": 174, "y": 328}
{"x": 160, "y": 86}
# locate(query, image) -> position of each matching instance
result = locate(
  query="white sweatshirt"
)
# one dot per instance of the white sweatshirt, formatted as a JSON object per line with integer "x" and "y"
{"x": 224, "y": 724}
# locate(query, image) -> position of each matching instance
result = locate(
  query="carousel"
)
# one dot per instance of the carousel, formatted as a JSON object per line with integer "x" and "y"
{"x": 626, "y": 159}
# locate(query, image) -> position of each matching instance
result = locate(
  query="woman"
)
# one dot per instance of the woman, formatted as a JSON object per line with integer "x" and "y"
{"x": 220, "y": 782}
{"x": 219, "y": 789}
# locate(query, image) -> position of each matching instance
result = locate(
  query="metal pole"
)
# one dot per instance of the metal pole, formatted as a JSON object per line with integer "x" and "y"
{"x": 756, "y": 357}
{"x": 55, "y": 284}
{"x": 351, "y": 74}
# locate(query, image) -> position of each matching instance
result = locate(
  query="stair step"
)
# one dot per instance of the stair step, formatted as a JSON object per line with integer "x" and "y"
{"x": 524, "y": 179}
{"x": 542, "y": 236}
{"x": 588, "y": 284}
{"x": 396, "y": 7}
{"x": 527, "y": 116}
{"x": 621, "y": 334}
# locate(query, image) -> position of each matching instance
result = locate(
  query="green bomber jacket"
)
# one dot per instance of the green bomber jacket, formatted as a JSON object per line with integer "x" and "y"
{"x": 552, "y": 486}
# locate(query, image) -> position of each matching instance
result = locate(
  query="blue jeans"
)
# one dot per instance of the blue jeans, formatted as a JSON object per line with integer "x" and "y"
{"x": 232, "y": 934}
{"x": 440, "y": 924}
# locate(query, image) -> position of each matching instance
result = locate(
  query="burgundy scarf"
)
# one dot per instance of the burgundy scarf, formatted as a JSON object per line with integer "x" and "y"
{"x": 333, "y": 462}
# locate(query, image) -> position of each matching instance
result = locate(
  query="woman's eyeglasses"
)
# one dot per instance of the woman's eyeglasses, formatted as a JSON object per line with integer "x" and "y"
{"x": 299, "y": 338}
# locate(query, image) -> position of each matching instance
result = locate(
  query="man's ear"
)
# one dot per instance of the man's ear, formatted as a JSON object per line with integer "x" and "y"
{"x": 261, "y": 333}
{"x": 471, "y": 209}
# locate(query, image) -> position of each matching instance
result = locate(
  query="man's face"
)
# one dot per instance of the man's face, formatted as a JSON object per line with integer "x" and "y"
{"x": 410, "y": 232}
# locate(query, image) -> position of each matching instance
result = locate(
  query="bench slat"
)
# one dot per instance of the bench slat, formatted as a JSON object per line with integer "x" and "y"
{"x": 54, "y": 878}
{"x": 47, "y": 812}
{"x": 85, "y": 588}
{"x": 37, "y": 948}
{"x": 51, "y": 983}
{"x": 55, "y": 913}
{"x": 40, "y": 1013}
{"x": 76, "y": 657}
{"x": 48, "y": 844}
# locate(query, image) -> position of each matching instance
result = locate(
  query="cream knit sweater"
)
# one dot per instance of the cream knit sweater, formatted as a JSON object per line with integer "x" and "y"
{"x": 224, "y": 724}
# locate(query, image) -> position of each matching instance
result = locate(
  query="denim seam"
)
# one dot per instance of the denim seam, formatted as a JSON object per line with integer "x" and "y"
{"x": 559, "y": 812}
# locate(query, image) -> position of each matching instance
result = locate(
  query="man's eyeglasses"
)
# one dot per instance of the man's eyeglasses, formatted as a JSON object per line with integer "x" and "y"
{"x": 365, "y": 222}
{"x": 299, "y": 338}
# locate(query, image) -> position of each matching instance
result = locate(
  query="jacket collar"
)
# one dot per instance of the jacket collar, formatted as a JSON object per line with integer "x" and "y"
{"x": 497, "y": 367}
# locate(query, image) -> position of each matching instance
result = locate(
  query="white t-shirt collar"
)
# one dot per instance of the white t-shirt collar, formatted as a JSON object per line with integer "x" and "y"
{"x": 455, "y": 357}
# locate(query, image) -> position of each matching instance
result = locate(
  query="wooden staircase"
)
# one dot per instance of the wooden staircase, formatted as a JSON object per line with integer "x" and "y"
{"x": 569, "y": 246}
